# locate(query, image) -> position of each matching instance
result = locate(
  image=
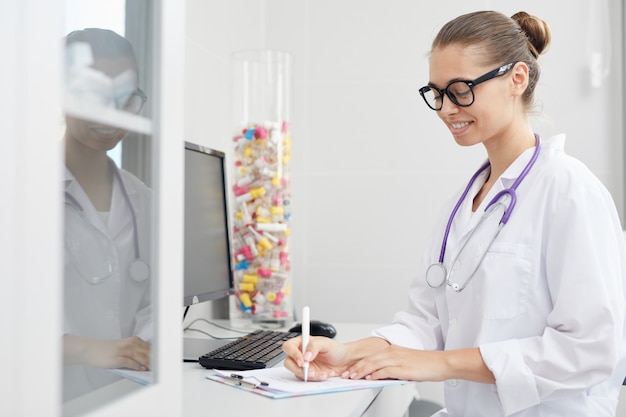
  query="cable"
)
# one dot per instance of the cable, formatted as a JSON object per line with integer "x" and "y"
{"x": 188, "y": 327}
{"x": 211, "y": 335}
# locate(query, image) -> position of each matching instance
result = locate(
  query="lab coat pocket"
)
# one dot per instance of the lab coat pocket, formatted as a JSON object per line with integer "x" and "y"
{"x": 504, "y": 283}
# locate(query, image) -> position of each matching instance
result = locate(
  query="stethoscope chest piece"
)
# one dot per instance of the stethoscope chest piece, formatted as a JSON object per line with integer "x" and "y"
{"x": 139, "y": 270}
{"x": 436, "y": 275}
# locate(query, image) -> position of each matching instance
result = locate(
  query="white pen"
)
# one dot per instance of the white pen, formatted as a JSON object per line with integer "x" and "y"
{"x": 306, "y": 330}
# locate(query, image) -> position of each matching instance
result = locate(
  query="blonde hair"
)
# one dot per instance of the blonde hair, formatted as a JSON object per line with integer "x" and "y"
{"x": 499, "y": 40}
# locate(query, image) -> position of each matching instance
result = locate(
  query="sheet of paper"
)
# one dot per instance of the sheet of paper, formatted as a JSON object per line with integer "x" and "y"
{"x": 280, "y": 379}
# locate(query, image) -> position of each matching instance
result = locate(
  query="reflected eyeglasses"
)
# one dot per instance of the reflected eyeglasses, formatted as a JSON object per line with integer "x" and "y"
{"x": 460, "y": 92}
{"x": 133, "y": 102}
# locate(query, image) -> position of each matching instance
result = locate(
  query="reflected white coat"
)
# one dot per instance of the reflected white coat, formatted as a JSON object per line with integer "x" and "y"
{"x": 118, "y": 307}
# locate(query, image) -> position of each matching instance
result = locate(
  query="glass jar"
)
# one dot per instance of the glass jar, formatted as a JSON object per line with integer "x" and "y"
{"x": 261, "y": 200}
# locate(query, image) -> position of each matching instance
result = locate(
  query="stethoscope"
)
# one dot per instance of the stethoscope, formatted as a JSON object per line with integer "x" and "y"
{"x": 436, "y": 274}
{"x": 138, "y": 269}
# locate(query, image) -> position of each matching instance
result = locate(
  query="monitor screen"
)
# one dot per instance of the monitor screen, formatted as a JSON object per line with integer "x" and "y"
{"x": 208, "y": 273}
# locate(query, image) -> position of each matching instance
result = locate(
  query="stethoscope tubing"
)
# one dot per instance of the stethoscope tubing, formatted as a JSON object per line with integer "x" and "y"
{"x": 505, "y": 218}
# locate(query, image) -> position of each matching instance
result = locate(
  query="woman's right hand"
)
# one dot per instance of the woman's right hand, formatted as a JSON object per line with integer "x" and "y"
{"x": 327, "y": 358}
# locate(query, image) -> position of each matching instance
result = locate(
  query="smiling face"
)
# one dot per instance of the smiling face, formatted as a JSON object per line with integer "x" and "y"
{"x": 496, "y": 110}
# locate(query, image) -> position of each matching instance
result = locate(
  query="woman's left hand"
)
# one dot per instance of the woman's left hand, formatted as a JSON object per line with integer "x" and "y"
{"x": 395, "y": 362}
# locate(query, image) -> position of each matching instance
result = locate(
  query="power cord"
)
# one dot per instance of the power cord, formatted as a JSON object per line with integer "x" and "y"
{"x": 189, "y": 328}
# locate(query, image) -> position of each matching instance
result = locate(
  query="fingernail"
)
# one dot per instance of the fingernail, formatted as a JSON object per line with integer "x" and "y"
{"x": 345, "y": 374}
{"x": 307, "y": 356}
{"x": 353, "y": 375}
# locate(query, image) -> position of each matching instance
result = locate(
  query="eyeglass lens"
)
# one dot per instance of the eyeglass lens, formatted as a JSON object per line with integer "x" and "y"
{"x": 459, "y": 92}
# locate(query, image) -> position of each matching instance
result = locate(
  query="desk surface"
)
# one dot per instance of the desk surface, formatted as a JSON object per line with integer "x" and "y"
{"x": 203, "y": 397}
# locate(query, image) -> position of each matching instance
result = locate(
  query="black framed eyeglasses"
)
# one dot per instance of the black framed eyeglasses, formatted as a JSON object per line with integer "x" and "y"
{"x": 460, "y": 92}
{"x": 133, "y": 102}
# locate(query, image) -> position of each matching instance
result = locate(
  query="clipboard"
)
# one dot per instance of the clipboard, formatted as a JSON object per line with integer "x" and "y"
{"x": 279, "y": 382}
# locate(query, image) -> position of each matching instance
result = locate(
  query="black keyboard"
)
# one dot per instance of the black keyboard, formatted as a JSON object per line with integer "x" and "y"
{"x": 256, "y": 350}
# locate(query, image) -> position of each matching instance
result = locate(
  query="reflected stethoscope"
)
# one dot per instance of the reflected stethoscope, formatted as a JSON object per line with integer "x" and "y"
{"x": 485, "y": 230}
{"x": 91, "y": 253}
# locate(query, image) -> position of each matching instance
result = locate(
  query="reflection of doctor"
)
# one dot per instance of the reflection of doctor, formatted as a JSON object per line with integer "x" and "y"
{"x": 107, "y": 320}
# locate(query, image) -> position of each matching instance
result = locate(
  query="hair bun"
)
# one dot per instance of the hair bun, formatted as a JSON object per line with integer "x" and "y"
{"x": 537, "y": 31}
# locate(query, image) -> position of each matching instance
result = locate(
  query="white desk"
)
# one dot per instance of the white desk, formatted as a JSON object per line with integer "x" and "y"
{"x": 203, "y": 397}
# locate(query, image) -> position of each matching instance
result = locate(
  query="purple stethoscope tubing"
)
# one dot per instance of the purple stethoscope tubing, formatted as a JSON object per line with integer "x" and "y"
{"x": 510, "y": 191}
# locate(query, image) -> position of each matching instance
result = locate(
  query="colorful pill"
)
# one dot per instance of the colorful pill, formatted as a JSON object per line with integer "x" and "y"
{"x": 272, "y": 227}
{"x": 245, "y": 299}
{"x": 247, "y": 252}
{"x": 250, "y": 278}
{"x": 257, "y": 192}
{"x": 265, "y": 243}
{"x": 279, "y": 298}
{"x": 277, "y": 210}
{"x": 284, "y": 256}
{"x": 264, "y": 272}
{"x": 242, "y": 265}
{"x": 260, "y": 133}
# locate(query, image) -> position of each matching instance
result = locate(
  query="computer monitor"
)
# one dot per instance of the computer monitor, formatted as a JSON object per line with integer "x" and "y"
{"x": 207, "y": 267}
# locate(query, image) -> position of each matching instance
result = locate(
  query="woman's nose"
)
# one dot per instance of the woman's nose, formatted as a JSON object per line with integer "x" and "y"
{"x": 448, "y": 107}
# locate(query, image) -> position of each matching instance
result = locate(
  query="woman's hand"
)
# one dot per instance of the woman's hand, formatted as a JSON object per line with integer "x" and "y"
{"x": 326, "y": 357}
{"x": 395, "y": 362}
{"x": 132, "y": 352}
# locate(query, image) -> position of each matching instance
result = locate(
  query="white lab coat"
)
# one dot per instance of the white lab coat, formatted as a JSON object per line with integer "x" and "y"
{"x": 547, "y": 305}
{"x": 119, "y": 307}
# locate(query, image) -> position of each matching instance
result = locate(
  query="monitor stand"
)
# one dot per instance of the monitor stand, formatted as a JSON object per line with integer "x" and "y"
{"x": 194, "y": 348}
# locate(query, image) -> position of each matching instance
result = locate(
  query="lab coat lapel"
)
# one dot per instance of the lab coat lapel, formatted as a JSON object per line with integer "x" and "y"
{"x": 120, "y": 218}
{"x": 467, "y": 219}
{"x": 75, "y": 190}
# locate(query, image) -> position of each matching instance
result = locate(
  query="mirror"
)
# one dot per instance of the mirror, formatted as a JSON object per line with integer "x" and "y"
{"x": 109, "y": 231}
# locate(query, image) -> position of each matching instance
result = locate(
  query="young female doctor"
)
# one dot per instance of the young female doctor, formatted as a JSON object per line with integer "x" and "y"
{"x": 519, "y": 303}
{"x": 107, "y": 223}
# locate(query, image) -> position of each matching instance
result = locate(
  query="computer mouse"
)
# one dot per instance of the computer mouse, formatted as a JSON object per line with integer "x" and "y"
{"x": 318, "y": 328}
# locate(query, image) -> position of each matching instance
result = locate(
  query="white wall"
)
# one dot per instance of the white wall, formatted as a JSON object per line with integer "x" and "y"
{"x": 372, "y": 165}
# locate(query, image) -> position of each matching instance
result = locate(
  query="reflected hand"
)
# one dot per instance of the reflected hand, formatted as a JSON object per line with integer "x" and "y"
{"x": 132, "y": 352}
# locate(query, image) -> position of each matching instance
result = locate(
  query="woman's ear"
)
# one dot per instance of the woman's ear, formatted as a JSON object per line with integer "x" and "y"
{"x": 519, "y": 78}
